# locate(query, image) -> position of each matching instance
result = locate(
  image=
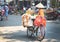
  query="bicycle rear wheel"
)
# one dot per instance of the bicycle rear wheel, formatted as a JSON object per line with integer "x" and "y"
{"x": 29, "y": 31}
{"x": 40, "y": 33}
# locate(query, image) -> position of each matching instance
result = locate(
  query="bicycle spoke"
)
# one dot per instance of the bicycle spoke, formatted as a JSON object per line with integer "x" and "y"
{"x": 41, "y": 33}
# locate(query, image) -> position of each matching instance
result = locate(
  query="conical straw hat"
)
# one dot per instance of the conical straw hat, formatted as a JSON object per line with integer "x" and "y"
{"x": 40, "y": 5}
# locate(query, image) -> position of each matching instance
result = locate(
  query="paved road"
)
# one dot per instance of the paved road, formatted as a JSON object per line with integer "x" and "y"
{"x": 12, "y": 31}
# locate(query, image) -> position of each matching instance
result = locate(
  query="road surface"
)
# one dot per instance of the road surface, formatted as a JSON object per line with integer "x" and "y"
{"x": 11, "y": 30}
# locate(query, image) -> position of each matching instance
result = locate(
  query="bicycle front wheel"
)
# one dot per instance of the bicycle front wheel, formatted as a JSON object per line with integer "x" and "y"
{"x": 40, "y": 33}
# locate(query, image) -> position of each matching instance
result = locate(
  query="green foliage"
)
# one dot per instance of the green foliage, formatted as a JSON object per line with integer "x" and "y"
{"x": 53, "y": 2}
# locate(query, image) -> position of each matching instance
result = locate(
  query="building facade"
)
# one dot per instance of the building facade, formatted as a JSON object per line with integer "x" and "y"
{"x": 25, "y": 3}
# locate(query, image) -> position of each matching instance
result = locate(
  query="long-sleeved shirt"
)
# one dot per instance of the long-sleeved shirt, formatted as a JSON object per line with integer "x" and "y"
{"x": 41, "y": 12}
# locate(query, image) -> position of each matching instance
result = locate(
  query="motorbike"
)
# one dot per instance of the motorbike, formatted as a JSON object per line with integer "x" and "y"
{"x": 1, "y": 15}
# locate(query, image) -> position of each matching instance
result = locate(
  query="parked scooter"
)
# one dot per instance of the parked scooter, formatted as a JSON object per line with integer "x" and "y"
{"x": 1, "y": 14}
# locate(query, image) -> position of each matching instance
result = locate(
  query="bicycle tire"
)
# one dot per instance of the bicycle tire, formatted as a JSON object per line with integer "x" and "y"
{"x": 38, "y": 38}
{"x": 29, "y": 32}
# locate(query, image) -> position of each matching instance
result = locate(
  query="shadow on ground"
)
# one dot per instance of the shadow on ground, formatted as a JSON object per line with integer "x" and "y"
{"x": 19, "y": 35}
{"x": 22, "y": 36}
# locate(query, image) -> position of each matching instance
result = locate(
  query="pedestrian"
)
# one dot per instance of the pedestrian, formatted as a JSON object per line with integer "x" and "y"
{"x": 24, "y": 9}
{"x": 6, "y": 11}
{"x": 40, "y": 20}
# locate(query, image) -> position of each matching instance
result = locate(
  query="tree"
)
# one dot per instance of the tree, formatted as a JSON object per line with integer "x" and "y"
{"x": 54, "y": 3}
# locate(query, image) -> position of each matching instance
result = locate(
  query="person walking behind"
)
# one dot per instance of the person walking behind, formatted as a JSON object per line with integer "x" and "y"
{"x": 6, "y": 11}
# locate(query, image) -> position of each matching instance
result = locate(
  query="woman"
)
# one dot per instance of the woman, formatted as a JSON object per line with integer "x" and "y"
{"x": 6, "y": 11}
{"x": 40, "y": 20}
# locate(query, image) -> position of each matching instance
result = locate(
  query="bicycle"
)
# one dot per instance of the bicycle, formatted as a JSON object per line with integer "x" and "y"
{"x": 36, "y": 29}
